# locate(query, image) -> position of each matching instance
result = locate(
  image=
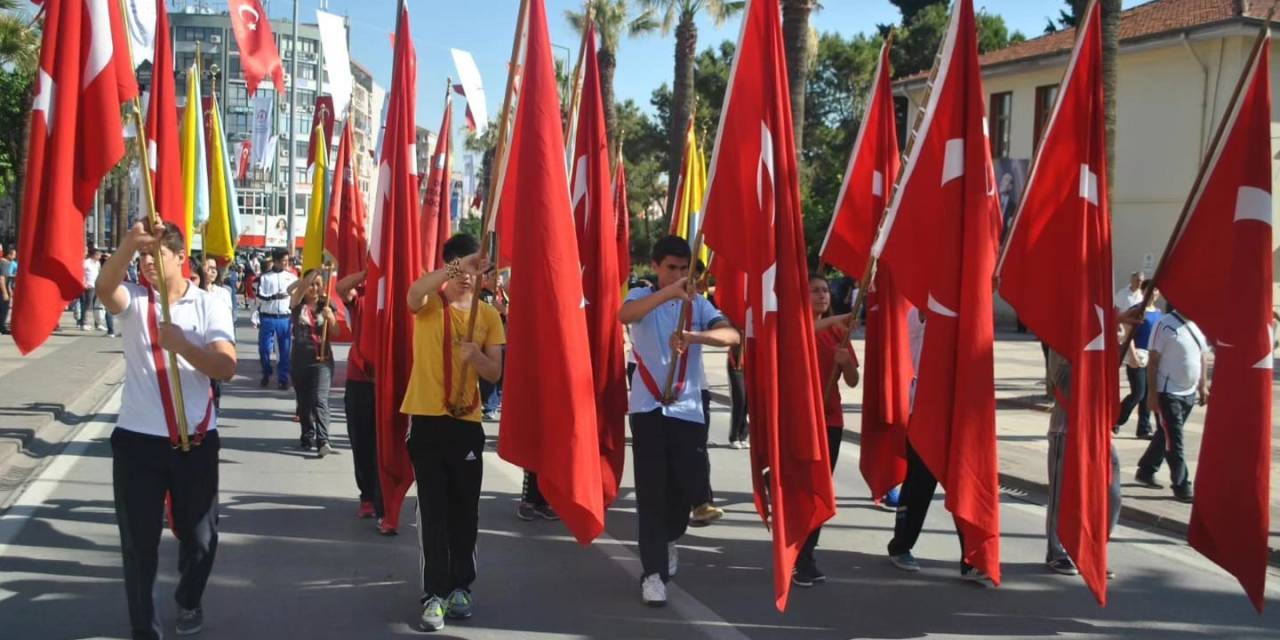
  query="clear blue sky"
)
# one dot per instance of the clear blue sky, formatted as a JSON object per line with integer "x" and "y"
{"x": 484, "y": 27}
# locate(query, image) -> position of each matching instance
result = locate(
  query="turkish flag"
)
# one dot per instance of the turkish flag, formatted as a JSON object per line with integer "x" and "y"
{"x": 246, "y": 152}
{"x": 321, "y": 116}
{"x": 939, "y": 243}
{"x": 623, "y": 211}
{"x": 593, "y": 211}
{"x": 886, "y": 387}
{"x": 163, "y": 150}
{"x": 753, "y": 223}
{"x": 258, "y": 55}
{"x": 345, "y": 238}
{"x": 1063, "y": 236}
{"x": 395, "y": 261}
{"x": 436, "y": 214}
{"x": 75, "y": 139}
{"x": 552, "y": 434}
{"x": 1218, "y": 272}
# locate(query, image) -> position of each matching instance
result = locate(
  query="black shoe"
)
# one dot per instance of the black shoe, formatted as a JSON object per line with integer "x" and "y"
{"x": 305, "y": 443}
{"x": 266, "y": 380}
{"x": 284, "y": 386}
{"x": 806, "y": 576}
{"x": 1147, "y": 479}
{"x": 1184, "y": 493}
{"x": 1144, "y": 435}
{"x": 190, "y": 622}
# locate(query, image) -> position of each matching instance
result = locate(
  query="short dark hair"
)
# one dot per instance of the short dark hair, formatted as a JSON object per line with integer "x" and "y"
{"x": 172, "y": 239}
{"x": 460, "y": 246}
{"x": 673, "y": 246}
{"x": 279, "y": 254}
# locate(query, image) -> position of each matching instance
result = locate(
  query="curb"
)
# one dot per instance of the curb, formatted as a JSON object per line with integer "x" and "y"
{"x": 1037, "y": 491}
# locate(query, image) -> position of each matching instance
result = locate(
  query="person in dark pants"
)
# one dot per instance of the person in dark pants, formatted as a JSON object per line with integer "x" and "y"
{"x": 358, "y": 398}
{"x": 6, "y": 291}
{"x": 311, "y": 359}
{"x": 1176, "y": 374}
{"x": 147, "y": 459}
{"x": 738, "y": 429}
{"x": 533, "y": 504}
{"x": 836, "y": 361}
{"x": 273, "y": 317}
{"x": 446, "y": 440}
{"x": 668, "y": 435}
{"x": 1135, "y": 366}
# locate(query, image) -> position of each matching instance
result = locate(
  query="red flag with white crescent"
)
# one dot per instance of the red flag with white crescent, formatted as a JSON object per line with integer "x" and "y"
{"x": 259, "y": 57}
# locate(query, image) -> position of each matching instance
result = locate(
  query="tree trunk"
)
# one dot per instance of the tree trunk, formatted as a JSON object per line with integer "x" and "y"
{"x": 795, "y": 33}
{"x": 608, "y": 65}
{"x": 1110, "y": 63}
{"x": 681, "y": 103}
{"x": 19, "y": 183}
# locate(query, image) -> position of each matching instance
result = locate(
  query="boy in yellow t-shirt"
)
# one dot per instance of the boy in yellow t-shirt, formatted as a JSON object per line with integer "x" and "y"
{"x": 446, "y": 440}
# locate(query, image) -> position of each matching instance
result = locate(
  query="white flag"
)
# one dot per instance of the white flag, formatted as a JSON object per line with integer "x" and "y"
{"x": 472, "y": 88}
{"x": 268, "y": 154}
{"x": 337, "y": 60}
{"x": 141, "y": 23}
{"x": 263, "y": 114}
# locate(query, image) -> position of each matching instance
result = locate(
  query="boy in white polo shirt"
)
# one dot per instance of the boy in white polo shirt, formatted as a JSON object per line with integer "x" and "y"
{"x": 668, "y": 438}
{"x": 147, "y": 462}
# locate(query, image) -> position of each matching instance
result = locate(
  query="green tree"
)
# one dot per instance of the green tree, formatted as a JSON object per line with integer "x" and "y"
{"x": 613, "y": 20}
{"x": 917, "y": 43}
{"x": 681, "y": 15}
{"x": 909, "y": 8}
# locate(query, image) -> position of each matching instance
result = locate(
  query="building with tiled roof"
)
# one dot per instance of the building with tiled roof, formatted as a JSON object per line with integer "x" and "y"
{"x": 1178, "y": 65}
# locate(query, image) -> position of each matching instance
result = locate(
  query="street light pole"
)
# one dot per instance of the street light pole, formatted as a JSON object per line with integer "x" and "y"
{"x": 290, "y": 207}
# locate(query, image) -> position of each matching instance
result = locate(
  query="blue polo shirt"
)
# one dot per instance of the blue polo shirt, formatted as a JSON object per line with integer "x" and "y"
{"x": 651, "y": 343}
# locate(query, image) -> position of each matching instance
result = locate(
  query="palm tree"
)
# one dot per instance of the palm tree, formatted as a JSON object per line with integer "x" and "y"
{"x": 681, "y": 14}
{"x": 800, "y": 45}
{"x": 613, "y": 19}
{"x": 1110, "y": 52}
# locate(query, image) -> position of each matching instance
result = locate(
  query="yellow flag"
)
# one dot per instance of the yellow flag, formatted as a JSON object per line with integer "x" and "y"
{"x": 693, "y": 189}
{"x": 313, "y": 244}
{"x": 218, "y": 234}
{"x": 195, "y": 173}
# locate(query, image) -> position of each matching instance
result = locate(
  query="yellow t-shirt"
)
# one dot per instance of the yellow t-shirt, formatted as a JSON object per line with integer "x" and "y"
{"x": 425, "y": 395}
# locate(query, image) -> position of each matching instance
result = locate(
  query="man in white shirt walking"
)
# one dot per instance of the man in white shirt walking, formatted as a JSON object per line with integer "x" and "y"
{"x": 147, "y": 462}
{"x": 1175, "y": 380}
{"x": 89, "y": 298}
{"x": 1128, "y": 296}
{"x": 274, "y": 317}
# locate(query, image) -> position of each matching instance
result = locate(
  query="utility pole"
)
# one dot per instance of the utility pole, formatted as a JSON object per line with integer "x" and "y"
{"x": 290, "y": 207}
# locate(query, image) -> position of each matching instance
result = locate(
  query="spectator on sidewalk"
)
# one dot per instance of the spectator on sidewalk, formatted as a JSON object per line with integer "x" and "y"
{"x": 836, "y": 362}
{"x": 107, "y": 317}
{"x": 446, "y": 439}
{"x": 358, "y": 400}
{"x": 6, "y": 291}
{"x": 1135, "y": 366}
{"x": 1175, "y": 373}
{"x": 273, "y": 316}
{"x": 311, "y": 359}
{"x": 1056, "y": 556}
{"x": 738, "y": 429}
{"x": 668, "y": 438}
{"x": 147, "y": 463}
{"x": 1128, "y": 296}
{"x": 88, "y": 298}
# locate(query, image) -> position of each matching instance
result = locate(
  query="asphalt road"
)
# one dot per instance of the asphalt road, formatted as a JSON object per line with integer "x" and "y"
{"x": 294, "y": 561}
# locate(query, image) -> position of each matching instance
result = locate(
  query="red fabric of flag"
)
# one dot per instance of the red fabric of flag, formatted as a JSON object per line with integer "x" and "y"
{"x": 345, "y": 237}
{"x": 163, "y": 150}
{"x": 258, "y": 55}
{"x": 322, "y": 116}
{"x": 886, "y": 387}
{"x": 395, "y": 261}
{"x": 1063, "y": 236}
{"x": 75, "y": 139}
{"x": 1218, "y": 273}
{"x": 753, "y": 223}
{"x": 623, "y": 212}
{"x": 593, "y": 200}
{"x": 242, "y": 168}
{"x": 436, "y": 212}
{"x": 939, "y": 243}
{"x": 551, "y": 431}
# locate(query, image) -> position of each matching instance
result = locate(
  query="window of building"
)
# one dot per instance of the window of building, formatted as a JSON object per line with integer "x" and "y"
{"x": 1001, "y": 119}
{"x": 1045, "y": 97}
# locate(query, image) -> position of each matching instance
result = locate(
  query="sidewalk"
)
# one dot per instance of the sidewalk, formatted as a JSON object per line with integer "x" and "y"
{"x": 44, "y": 396}
{"x": 1022, "y": 420}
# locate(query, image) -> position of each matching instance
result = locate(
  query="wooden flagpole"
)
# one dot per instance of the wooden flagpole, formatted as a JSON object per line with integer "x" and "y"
{"x": 691, "y": 288}
{"x": 500, "y": 157}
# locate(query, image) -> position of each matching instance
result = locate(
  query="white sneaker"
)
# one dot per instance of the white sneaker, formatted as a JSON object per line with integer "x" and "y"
{"x": 673, "y": 560}
{"x": 736, "y": 444}
{"x": 653, "y": 591}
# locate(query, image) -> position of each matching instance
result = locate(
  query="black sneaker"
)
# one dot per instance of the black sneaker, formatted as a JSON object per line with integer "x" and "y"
{"x": 284, "y": 386}
{"x": 190, "y": 622}
{"x": 1184, "y": 493}
{"x": 1144, "y": 435}
{"x": 1063, "y": 566}
{"x": 305, "y": 443}
{"x": 546, "y": 512}
{"x": 804, "y": 576}
{"x": 266, "y": 380}
{"x": 526, "y": 511}
{"x": 1147, "y": 479}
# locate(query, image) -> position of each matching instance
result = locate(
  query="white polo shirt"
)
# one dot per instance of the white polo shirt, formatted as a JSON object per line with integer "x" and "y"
{"x": 275, "y": 283}
{"x": 651, "y": 342}
{"x": 204, "y": 320}
{"x": 91, "y": 269}
{"x": 1180, "y": 345}
{"x": 1125, "y": 298}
